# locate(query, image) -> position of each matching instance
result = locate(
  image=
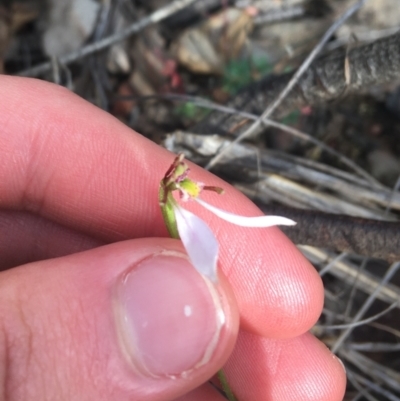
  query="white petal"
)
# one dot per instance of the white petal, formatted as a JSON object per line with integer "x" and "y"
{"x": 261, "y": 221}
{"x": 199, "y": 242}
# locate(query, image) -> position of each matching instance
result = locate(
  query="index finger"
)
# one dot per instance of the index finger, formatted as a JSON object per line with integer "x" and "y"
{"x": 70, "y": 162}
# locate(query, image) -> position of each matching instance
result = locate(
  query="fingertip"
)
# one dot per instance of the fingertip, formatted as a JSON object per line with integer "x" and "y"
{"x": 279, "y": 293}
{"x": 301, "y": 368}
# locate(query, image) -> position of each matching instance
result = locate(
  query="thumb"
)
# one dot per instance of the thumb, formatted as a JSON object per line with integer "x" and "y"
{"x": 131, "y": 320}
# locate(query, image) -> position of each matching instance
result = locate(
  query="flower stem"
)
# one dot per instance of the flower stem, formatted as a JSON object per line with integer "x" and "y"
{"x": 167, "y": 203}
{"x": 225, "y": 386}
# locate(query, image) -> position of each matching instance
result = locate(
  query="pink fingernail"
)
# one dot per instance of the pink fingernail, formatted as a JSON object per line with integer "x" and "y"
{"x": 169, "y": 316}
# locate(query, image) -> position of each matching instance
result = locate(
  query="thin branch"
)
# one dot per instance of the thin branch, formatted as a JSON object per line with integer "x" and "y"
{"x": 359, "y": 379}
{"x": 350, "y": 275}
{"x": 291, "y": 84}
{"x": 155, "y": 17}
{"x": 282, "y": 13}
{"x": 388, "y": 276}
{"x": 361, "y": 322}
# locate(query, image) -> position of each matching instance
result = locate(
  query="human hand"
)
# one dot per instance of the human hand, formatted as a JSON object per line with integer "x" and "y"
{"x": 73, "y": 178}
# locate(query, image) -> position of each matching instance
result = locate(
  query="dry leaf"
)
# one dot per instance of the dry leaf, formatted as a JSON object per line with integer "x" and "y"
{"x": 195, "y": 51}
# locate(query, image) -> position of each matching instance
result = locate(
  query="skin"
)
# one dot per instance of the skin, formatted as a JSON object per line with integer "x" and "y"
{"x": 73, "y": 179}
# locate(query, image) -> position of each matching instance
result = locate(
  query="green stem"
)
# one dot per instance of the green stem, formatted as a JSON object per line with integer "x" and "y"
{"x": 167, "y": 204}
{"x": 225, "y": 386}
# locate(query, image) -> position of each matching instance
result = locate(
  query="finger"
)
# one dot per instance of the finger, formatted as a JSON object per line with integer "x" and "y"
{"x": 300, "y": 368}
{"x": 82, "y": 168}
{"x": 26, "y": 238}
{"x": 126, "y": 321}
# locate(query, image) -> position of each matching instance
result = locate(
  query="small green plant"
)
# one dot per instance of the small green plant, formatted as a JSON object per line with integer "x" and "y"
{"x": 190, "y": 112}
{"x": 239, "y": 73}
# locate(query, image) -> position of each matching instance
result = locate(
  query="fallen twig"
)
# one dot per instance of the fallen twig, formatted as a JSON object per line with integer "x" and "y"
{"x": 102, "y": 44}
{"x": 290, "y": 130}
{"x": 373, "y": 238}
{"x": 372, "y": 235}
{"x": 242, "y": 163}
{"x": 386, "y": 279}
{"x": 350, "y": 274}
{"x": 371, "y": 64}
{"x": 256, "y": 125}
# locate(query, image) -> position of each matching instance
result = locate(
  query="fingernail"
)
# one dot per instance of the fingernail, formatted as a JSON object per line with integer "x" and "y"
{"x": 169, "y": 317}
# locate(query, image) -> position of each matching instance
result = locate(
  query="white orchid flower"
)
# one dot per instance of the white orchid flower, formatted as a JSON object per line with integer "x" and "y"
{"x": 199, "y": 241}
{"x": 197, "y": 238}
